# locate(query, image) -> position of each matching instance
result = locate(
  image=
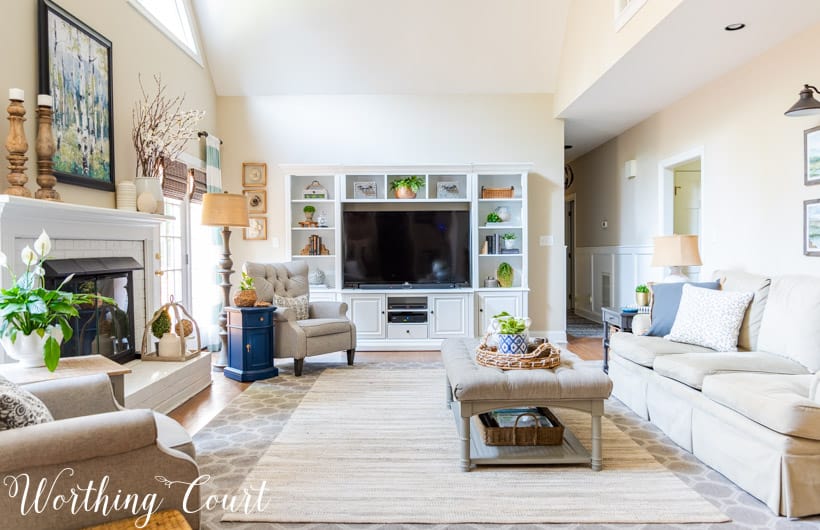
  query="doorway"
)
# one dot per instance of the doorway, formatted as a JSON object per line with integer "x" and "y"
{"x": 569, "y": 241}
{"x": 681, "y": 206}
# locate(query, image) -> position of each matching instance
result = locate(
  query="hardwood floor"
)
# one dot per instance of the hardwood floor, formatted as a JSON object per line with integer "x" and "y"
{"x": 195, "y": 413}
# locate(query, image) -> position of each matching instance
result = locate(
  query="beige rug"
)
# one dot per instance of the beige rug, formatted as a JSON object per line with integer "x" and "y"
{"x": 380, "y": 446}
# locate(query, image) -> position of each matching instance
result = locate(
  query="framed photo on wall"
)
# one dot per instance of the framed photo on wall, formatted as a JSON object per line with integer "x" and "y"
{"x": 258, "y": 229}
{"x": 257, "y": 201}
{"x": 365, "y": 190}
{"x": 811, "y": 227}
{"x": 75, "y": 69}
{"x": 811, "y": 155}
{"x": 447, "y": 190}
{"x": 254, "y": 174}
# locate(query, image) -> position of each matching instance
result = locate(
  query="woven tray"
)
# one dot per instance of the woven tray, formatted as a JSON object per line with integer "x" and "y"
{"x": 544, "y": 356}
{"x": 492, "y": 434}
{"x": 497, "y": 193}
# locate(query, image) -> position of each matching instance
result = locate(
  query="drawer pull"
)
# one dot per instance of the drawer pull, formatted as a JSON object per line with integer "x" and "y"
{"x": 248, "y": 348}
{"x": 407, "y": 331}
{"x": 261, "y": 319}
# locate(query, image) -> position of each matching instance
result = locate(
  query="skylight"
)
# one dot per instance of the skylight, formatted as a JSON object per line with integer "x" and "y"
{"x": 172, "y": 17}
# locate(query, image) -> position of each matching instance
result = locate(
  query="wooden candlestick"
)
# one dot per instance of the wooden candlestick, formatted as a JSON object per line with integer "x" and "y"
{"x": 17, "y": 146}
{"x": 46, "y": 147}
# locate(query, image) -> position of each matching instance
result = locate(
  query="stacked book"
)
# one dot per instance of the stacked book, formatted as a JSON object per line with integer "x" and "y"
{"x": 494, "y": 246}
{"x": 315, "y": 245}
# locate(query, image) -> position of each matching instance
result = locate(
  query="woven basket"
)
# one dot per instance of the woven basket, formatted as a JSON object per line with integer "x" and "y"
{"x": 543, "y": 356}
{"x": 492, "y": 434}
{"x": 497, "y": 193}
{"x": 244, "y": 298}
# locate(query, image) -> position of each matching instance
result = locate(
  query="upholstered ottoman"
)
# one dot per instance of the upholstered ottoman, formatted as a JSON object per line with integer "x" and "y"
{"x": 574, "y": 384}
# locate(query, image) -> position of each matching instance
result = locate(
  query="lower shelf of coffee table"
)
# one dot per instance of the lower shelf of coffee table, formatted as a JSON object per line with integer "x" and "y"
{"x": 571, "y": 451}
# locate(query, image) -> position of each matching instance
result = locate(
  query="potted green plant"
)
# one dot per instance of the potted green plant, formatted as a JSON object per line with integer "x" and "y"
{"x": 35, "y": 320}
{"x": 511, "y": 333}
{"x": 504, "y": 274}
{"x": 493, "y": 217}
{"x": 642, "y": 295}
{"x": 308, "y": 210}
{"x": 407, "y": 187}
{"x": 509, "y": 240}
{"x": 246, "y": 295}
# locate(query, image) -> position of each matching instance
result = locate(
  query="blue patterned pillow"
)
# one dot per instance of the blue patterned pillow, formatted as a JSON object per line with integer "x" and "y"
{"x": 665, "y": 302}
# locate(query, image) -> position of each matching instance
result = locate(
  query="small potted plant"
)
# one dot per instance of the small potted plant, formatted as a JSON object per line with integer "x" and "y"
{"x": 511, "y": 333}
{"x": 509, "y": 240}
{"x": 308, "y": 210}
{"x": 642, "y": 295}
{"x": 246, "y": 295}
{"x": 168, "y": 345}
{"x": 504, "y": 274}
{"x": 407, "y": 187}
{"x": 493, "y": 217}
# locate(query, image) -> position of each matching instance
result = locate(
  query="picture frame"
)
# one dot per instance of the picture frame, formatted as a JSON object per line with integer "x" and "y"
{"x": 365, "y": 190}
{"x": 254, "y": 174}
{"x": 811, "y": 156}
{"x": 811, "y": 227}
{"x": 258, "y": 229}
{"x": 447, "y": 189}
{"x": 76, "y": 59}
{"x": 257, "y": 201}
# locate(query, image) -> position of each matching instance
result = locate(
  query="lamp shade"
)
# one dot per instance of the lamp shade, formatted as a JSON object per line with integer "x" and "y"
{"x": 676, "y": 251}
{"x": 224, "y": 209}
{"x": 806, "y": 105}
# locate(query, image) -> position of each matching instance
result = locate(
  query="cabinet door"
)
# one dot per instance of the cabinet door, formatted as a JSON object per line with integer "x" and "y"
{"x": 367, "y": 312}
{"x": 490, "y": 304}
{"x": 258, "y": 349}
{"x": 449, "y": 317}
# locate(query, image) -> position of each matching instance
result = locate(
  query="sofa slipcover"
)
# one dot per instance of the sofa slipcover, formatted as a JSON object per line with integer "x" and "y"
{"x": 691, "y": 368}
{"x": 791, "y": 320}
{"x": 747, "y": 283}
{"x": 644, "y": 349}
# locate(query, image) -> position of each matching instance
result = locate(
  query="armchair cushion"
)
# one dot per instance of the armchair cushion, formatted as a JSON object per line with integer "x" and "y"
{"x": 20, "y": 408}
{"x": 318, "y": 327}
{"x": 299, "y": 304}
{"x": 327, "y": 309}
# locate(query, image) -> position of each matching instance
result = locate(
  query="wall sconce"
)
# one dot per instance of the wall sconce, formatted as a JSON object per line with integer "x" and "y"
{"x": 631, "y": 169}
{"x": 806, "y": 105}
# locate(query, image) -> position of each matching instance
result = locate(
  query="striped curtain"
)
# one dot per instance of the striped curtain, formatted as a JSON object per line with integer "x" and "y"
{"x": 213, "y": 179}
{"x": 213, "y": 163}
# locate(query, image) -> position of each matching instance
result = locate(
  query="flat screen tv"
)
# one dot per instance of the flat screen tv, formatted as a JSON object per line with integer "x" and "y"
{"x": 397, "y": 248}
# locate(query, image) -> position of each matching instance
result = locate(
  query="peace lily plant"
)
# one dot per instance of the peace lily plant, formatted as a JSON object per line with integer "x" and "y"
{"x": 33, "y": 316}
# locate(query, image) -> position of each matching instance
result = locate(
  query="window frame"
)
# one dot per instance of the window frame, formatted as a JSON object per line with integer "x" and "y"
{"x": 196, "y": 52}
{"x": 625, "y": 11}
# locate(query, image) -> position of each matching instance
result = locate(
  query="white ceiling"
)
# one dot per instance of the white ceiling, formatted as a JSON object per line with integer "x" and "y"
{"x": 266, "y": 47}
{"x": 269, "y": 47}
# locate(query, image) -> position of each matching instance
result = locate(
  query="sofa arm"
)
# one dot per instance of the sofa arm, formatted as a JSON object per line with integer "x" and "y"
{"x": 327, "y": 309}
{"x": 76, "y": 396}
{"x": 76, "y": 439}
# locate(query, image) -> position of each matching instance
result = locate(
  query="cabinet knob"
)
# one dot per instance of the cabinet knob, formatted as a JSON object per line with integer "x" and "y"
{"x": 407, "y": 331}
{"x": 248, "y": 348}
{"x": 480, "y": 310}
{"x": 261, "y": 319}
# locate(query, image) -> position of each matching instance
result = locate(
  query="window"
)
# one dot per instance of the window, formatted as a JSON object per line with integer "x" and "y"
{"x": 173, "y": 19}
{"x": 625, "y": 10}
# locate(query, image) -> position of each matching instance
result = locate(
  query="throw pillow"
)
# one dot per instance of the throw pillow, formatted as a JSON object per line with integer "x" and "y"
{"x": 665, "y": 302}
{"x": 299, "y": 304}
{"x": 20, "y": 408}
{"x": 710, "y": 318}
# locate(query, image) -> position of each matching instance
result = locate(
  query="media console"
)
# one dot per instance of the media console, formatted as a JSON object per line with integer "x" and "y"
{"x": 412, "y": 316}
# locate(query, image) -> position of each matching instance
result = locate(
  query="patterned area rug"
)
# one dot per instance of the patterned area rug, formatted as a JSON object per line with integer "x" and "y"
{"x": 231, "y": 445}
{"x": 582, "y": 327}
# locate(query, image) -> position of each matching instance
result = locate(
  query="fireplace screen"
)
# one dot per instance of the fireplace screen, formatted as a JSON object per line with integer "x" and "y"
{"x": 101, "y": 328}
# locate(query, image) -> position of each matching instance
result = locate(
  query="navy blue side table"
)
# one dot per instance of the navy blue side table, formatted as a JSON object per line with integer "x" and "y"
{"x": 250, "y": 343}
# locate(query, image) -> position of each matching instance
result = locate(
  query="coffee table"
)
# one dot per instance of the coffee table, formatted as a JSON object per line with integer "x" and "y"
{"x": 473, "y": 389}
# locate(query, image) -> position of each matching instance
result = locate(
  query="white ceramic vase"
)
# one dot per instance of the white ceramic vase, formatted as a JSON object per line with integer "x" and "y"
{"x": 503, "y": 213}
{"x": 152, "y": 186}
{"x": 169, "y": 346}
{"x": 127, "y": 196}
{"x": 509, "y": 243}
{"x": 28, "y": 349}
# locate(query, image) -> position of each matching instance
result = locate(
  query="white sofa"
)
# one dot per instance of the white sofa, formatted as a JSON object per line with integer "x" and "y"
{"x": 748, "y": 414}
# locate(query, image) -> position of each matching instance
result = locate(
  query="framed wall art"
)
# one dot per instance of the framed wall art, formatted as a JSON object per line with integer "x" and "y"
{"x": 254, "y": 174}
{"x": 811, "y": 227}
{"x": 365, "y": 190}
{"x": 257, "y": 201}
{"x": 75, "y": 68}
{"x": 447, "y": 190}
{"x": 811, "y": 155}
{"x": 257, "y": 230}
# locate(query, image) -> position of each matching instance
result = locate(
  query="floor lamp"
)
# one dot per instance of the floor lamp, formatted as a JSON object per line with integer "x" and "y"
{"x": 225, "y": 210}
{"x": 676, "y": 251}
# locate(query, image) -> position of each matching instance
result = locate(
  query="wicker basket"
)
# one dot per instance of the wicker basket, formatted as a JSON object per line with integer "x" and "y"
{"x": 492, "y": 434}
{"x": 545, "y": 355}
{"x": 497, "y": 193}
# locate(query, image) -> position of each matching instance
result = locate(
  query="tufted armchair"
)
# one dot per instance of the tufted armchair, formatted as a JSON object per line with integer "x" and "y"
{"x": 326, "y": 330}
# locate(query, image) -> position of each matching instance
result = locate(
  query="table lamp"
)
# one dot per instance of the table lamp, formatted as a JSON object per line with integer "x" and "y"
{"x": 225, "y": 210}
{"x": 676, "y": 251}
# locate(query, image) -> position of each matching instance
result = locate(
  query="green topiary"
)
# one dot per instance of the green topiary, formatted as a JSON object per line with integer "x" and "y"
{"x": 493, "y": 217}
{"x": 161, "y": 325}
{"x": 505, "y": 274}
{"x": 642, "y": 289}
{"x": 309, "y": 209}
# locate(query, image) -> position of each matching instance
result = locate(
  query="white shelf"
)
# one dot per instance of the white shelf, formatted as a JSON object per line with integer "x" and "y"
{"x": 304, "y": 228}
{"x": 500, "y": 255}
{"x": 326, "y": 201}
{"x": 518, "y": 199}
{"x": 500, "y": 226}
{"x": 313, "y": 257}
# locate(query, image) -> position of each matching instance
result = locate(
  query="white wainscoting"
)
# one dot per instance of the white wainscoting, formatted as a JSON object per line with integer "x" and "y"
{"x": 624, "y": 267}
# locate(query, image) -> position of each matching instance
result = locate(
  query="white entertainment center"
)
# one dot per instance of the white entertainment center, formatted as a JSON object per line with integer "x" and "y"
{"x": 413, "y": 317}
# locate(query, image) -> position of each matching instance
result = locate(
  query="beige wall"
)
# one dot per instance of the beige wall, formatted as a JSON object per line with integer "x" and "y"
{"x": 592, "y": 46}
{"x": 406, "y": 130}
{"x": 138, "y": 48}
{"x": 752, "y": 173}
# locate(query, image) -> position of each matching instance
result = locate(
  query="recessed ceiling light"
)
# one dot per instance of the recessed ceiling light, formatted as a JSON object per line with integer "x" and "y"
{"x": 735, "y": 27}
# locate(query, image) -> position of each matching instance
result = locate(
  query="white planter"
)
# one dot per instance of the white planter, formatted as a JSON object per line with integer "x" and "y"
{"x": 169, "y": 346}
{"x": 28, "y": 349}
{"x": 509, "y": 243}
{"x": 152, "y": 186}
